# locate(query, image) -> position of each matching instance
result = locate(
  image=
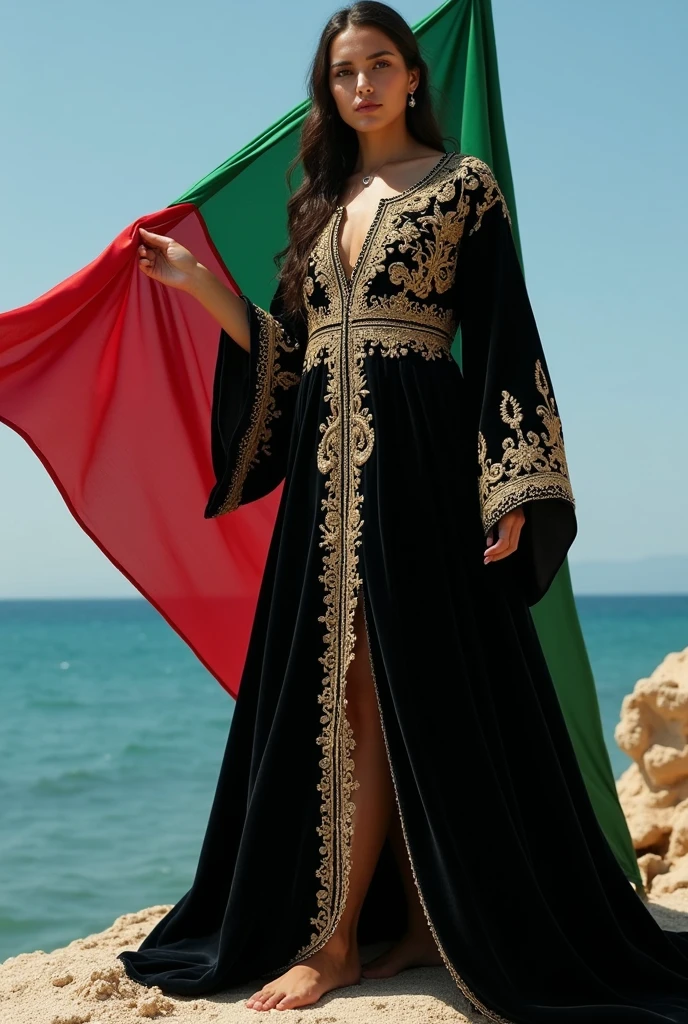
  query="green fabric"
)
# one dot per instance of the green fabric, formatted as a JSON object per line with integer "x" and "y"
{"x": 243, "y": 203}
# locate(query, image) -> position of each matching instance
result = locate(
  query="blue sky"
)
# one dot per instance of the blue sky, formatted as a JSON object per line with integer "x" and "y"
{"x": 111, "y": 110}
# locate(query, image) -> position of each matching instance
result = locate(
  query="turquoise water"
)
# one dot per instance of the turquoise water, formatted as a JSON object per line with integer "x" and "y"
{"x": 111, "y": 737}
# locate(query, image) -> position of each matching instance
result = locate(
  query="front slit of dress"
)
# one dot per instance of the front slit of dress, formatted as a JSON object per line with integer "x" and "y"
{"x": 461, "y": 984}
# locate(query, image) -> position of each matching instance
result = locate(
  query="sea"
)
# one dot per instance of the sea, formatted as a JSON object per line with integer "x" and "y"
{"x": 111, "y": 739}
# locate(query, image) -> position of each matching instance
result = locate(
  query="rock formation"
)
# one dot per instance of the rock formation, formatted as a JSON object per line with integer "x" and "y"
{"x": 653, "y": 731}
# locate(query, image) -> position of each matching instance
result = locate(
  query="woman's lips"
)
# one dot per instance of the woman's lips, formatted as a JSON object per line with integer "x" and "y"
{"x": 366, "y": 107}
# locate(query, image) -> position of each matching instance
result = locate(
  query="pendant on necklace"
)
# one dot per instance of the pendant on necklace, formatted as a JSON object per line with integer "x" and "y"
{"x": 367, "y": 180}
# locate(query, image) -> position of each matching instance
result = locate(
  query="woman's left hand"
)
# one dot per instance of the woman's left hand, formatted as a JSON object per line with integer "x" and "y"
{"x": 509, "y": 530}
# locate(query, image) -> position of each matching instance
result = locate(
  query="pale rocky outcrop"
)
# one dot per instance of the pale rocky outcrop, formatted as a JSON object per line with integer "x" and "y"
{"x": 653, "y": 731}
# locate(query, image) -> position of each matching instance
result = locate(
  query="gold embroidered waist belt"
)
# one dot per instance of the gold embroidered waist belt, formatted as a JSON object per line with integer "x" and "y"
{"x": 389, "y": 337}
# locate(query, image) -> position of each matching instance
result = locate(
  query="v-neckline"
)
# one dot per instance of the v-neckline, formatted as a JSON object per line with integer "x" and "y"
{"x": 339, "y": 212}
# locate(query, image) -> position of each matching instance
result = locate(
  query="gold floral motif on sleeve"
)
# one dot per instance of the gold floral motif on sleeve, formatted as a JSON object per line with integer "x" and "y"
{"x": 272, "y": 339}
{"x": 533, "y": 465}
{"x": 492, "y": 193}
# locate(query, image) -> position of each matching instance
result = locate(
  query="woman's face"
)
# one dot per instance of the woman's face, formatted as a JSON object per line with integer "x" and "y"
{"x": 369, "y": 80}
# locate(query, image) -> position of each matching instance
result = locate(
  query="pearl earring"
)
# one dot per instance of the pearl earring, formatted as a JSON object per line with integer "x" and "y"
{"x": 412, "y": 100}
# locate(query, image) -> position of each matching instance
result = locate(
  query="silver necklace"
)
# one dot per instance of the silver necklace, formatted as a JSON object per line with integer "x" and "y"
{"x": 367, "y": 178}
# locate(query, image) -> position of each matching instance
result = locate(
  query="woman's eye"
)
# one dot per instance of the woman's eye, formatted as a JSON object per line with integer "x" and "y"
{"x": 346, "y": 71}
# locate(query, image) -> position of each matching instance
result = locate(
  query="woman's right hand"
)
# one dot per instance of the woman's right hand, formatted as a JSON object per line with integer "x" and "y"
{"x": 166, "y": 261}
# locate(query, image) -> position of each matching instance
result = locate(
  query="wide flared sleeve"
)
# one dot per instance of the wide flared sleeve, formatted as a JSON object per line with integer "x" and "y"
{"x": 519, "y": 439}
{"x": 253, "y": 405}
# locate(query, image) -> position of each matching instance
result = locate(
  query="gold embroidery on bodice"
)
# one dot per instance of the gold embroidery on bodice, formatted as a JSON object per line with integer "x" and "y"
{"x": 398, "y": 296}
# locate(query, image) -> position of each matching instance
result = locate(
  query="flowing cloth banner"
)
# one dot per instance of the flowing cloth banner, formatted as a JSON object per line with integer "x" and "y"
{"x": 108, "y": 377}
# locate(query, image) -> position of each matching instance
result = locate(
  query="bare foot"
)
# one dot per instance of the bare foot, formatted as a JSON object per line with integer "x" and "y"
{"x": 413, "y": 950}
{"x": 308, "y": 981}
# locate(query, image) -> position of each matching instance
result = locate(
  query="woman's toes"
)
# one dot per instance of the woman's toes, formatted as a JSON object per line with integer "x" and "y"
{"x": 288, "y": 1003}
{"x": 272, "y": 1002}
{"x": 257, "y": 997}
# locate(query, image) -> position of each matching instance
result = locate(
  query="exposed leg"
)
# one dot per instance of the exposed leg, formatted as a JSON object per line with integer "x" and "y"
{"x": 338, "y": 964}
{"x": 416, "y": 948}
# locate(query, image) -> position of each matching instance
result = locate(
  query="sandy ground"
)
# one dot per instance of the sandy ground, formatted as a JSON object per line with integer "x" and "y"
{"x": 83, "y": 982}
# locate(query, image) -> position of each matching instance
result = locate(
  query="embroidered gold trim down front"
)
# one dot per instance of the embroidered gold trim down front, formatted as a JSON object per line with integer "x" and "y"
{"x": 533, "y": 465}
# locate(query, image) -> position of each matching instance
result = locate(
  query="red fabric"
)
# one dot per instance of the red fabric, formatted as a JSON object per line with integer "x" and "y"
{"x": 108, "y": 377}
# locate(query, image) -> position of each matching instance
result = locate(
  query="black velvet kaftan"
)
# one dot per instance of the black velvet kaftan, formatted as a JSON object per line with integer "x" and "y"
{"x": 395, "y": 463}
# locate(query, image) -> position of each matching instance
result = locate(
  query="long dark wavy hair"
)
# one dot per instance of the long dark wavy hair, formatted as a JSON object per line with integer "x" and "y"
{"x": 329, "y": 146}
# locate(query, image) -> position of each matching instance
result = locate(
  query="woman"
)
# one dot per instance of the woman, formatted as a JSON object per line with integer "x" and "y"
{"x": 397, "y": 736}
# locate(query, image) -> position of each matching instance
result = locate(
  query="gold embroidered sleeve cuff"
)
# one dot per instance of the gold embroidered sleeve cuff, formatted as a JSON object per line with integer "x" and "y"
{"x": 530, "y": 464}
{"x": 254, "y": 399}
